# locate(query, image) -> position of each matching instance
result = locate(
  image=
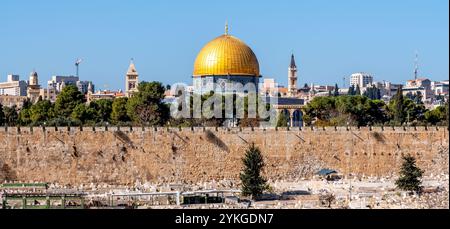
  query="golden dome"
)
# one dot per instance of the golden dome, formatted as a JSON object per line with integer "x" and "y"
{"x": 226, "y": 55}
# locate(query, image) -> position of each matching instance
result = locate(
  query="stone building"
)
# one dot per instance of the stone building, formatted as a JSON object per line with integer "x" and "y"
{"x": 12, "y": 100}
{"x": 132, "y": 80}
{"x": 33, "y": 89}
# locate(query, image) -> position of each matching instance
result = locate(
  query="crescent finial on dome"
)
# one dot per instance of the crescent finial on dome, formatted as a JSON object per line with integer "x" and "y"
{"x": 226, "y": 27}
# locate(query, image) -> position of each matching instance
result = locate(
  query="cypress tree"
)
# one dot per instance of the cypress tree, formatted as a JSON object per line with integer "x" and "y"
{"x": 336, "y": 90}
{"x": 253, "y": 184}
{"x": 399, "y": 116}
{"x": 410, "y": 175}
{"x": 358, "y": 90}
{"x": 351, "y": 90}
{"x": 2, "y": 115}
{"x": 282, "y": 120}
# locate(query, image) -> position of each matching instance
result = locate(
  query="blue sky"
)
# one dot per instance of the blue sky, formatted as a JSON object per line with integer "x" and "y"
{"x": 331, "y": 39}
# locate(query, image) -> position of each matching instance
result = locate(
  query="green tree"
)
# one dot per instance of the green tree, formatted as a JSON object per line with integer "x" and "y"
{"x": 345, "y": 110}
{"x": 119, "y": 110}
{"x": 415, "y": 97}
{"x": 436, "y": 116}
{"x": 41, "y": 111}
{"x": 83, "y": 114}
{"x": 413, "y": 112}
{"x": 282, "y": 120}
{"x": 2, "y": 115}
{"x": 24, "y": 113}
{"x": 24, "y": 116}
{"x": 11, "y": 115}
{"x": 103, "y": 108}
{"x": 351, "y": 90}
{"x": 336, "y": 90}
{"x": 446, "y": 113}
{"x": 397, "y": 108}
{"x": 146, "y": 106}
{"x": 373, "y": 93}
{"x": 253, "y": 183}
{"x": 357, "y": 90}
{"x": 410, "y": 175}
{"x": 67, "y": 100}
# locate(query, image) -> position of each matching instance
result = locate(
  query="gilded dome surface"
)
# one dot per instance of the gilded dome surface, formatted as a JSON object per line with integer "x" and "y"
{"x": 226, "y": 55}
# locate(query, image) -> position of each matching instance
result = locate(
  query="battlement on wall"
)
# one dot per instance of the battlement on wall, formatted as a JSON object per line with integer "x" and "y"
{"x": 27, "y": 130}
{"x": 124, "y": 154}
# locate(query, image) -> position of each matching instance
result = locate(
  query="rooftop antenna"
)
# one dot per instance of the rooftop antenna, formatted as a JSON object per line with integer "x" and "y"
{"x": 343, "y": 82}
{"x": 416, "y": 66}
{"x": 77, "y": 65}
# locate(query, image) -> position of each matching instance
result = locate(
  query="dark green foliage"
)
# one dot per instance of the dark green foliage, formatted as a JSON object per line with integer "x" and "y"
{"x": 404, "y": 110}
{"x": 351, "y": 90}
{"x": 345, "y": 110}
{"x": 119, "y": 111}
{"x": 41, "y": 111}
{"x": 416, "y": 97}
{"x": 67, "y": 100}
{"x": 83, "y": 114}
{"x": 24, "y": 116}
{"x": 410, "y": 175}
{"x": 282, "y": 120}
{"x": 103, "y": 109}
{"x": 2, "y": 115}
{"x": 11, "y": 117}
{"x": 357, "y": 90}
{"x": 253, "y": 184}
{"x": 437, "y": 115}
{"x": 336, "y": 90}
{"x": 373, "y": 93}
{"x": 146, "y": 107}
{"x": 398, "y": 107}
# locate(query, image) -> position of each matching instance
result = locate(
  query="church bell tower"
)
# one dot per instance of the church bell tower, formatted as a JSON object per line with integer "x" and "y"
{"x": 292, "y": 78}
{"x": 132, "y": 80}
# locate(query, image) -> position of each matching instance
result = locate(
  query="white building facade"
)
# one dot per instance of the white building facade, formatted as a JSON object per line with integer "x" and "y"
{"x": 13, "y": 86}
{"x": 361, "y": 79}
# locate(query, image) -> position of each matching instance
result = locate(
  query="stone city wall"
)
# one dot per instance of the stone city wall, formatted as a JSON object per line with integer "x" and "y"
{"x": 126, "y": 155}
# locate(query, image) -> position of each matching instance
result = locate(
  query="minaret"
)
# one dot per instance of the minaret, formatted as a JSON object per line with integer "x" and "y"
{"x": 33, "y": 89}
{"x": 33, "y": 79}
{"x": 292, "y": 78}
{"x": 132, "y": 80}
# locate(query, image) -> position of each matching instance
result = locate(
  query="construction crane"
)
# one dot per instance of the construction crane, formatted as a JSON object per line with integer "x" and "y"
{"x": 77, "y": 65}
